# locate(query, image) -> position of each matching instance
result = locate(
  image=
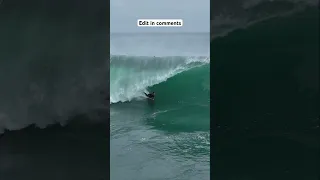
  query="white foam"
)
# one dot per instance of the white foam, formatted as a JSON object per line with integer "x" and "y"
{"x": 132, "y": 85}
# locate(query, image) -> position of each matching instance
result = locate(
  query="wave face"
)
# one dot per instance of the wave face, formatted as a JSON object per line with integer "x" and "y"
{"x": 176, "y": 67}
{"x": 265, "y": 79}
{"x": 273, "y": 52}
{"x": 53, "y": 61}
{"x": 230, "y": 15}
{"x": 131, "y": 76}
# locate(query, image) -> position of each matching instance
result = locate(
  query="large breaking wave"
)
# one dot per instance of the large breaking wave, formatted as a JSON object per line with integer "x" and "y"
{"x": 130, "y": 76}
{"x": 53, "y": 61}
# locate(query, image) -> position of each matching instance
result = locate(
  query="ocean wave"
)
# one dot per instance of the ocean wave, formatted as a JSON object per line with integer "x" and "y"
{"x": 45, "y": 83}
{"x": 228, "y": 18}
{"x": 268, "y": 72}
{"x": 52, "y": 65}
{"x": 130, "y": 76}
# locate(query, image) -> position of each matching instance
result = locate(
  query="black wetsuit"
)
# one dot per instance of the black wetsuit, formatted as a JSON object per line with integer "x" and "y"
{"x": 149, "y": 95}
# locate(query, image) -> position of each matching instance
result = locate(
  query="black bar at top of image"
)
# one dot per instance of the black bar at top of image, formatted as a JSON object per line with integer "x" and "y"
{"x": 264, "y": 90}
{"x": 54, "y": 95}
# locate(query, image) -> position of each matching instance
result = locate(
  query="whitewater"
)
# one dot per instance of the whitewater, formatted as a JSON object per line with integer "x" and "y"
{"x": 132, "y": 75}
{"x": 176, "y": 67}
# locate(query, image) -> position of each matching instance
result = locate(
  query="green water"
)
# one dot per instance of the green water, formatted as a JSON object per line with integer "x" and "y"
{"x": 265, "y": 112}
{"x": 167, "y": 138}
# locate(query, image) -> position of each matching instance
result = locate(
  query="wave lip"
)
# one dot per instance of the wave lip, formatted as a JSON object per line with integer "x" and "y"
{"x": 130, "y": 76}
